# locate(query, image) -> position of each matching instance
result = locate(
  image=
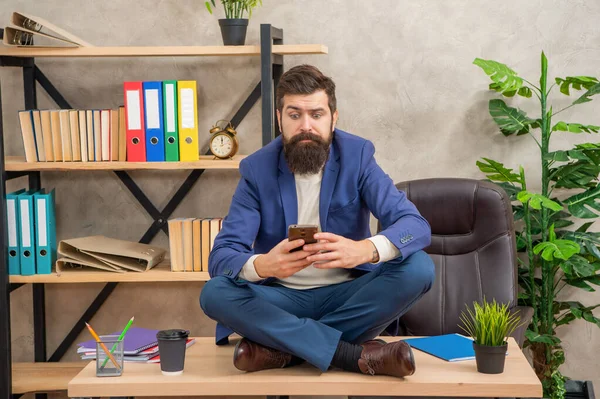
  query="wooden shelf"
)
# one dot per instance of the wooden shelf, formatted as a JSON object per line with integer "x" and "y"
{"x": 160, "y": 51}
{"x": 44, "y": 377}
{"x": 161, "y": 272}
{"x": 18, "y": 164}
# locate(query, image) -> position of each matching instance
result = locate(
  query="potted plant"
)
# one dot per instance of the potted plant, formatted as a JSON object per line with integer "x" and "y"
{"x": 489, "y": 324}
{"x": 234, "y": 25}
{"x": 554, "y": 253}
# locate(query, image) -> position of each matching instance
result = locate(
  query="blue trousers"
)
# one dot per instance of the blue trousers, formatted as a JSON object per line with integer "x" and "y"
{"x": 310, "y": 323}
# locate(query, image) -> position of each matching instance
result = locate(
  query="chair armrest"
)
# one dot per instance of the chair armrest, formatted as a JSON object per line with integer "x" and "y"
{"x": 526, "y": 314}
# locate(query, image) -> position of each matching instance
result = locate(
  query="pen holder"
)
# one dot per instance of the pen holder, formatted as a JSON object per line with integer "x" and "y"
{"x": 105, "y": 367}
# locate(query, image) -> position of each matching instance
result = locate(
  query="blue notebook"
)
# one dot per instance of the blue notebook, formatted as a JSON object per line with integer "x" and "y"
{"x": 450, "y": 347}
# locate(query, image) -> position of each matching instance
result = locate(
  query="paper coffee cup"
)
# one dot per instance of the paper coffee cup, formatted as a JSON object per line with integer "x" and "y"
{"x": 171, "y": 348}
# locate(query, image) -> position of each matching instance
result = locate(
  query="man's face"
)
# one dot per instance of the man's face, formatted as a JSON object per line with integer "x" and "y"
{"x": 307, "y": 127}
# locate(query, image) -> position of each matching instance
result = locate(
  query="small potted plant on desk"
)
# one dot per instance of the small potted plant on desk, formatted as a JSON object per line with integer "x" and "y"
{"x": 489, "y": 324}
{"x": 234, "y": 25}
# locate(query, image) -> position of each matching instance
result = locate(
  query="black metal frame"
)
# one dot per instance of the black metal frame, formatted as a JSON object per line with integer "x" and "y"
{"x": 271, "y": 71}
{"x": 5, "y": 362}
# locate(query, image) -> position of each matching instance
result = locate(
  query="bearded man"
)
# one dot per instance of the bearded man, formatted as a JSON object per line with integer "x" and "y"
{"x": 325, "y": 302}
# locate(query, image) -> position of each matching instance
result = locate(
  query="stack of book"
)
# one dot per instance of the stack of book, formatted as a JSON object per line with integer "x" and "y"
{"x": 190, "y": 242}
{"x": 31, "y": 227}
{"x": 159, "y": 122}
{"x": 139, "y": 345}
{"x": 69, "y": 135}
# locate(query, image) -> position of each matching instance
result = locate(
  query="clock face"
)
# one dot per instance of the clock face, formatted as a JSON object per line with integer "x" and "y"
{"x": 222, "y": 145}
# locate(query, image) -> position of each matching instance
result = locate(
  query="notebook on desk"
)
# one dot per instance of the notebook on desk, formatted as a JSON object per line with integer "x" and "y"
{"x": 450, "y": 347}
{"x": 136, "y": 340}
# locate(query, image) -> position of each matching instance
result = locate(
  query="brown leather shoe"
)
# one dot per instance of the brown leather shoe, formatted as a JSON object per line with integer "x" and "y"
{"x": 394, "y": 358}
{"x": 250, "y": 356}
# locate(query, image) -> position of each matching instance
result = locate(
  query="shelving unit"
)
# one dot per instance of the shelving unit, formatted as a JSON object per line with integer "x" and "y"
{"x": 271, "y": 52}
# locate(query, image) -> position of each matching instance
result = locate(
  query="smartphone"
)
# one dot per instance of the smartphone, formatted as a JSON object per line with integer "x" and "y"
{"x": 302, "y": 231}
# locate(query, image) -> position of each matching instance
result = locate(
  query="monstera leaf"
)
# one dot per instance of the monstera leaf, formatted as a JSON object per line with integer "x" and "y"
{"x": 496, "y": 171}
{"x": 584, "y": 282}
{"x": 578, "y": 266}
{"x": 510, "y": 120}
{"x": 578, "y": 204}
{"x": 537, "y": 201}
{"x": 578, "y": 311}
{"x": 512, "y": 189}
{"x": 557, "y": 156}
{"x": 575, "y": 175}
{"x": 532, "y": 336}
{"x": 556, "y": 248}
{"x": 583, "y": 152}
{"x": 589, "y": 241}
{"x": 525, "y": 92}
{"x": 595, "y": 89}
{"x": 505, "y": 79}
{"x": 590, "y": 151}
{"x": 575, "y": 128}
{"x": 577, "y": 82}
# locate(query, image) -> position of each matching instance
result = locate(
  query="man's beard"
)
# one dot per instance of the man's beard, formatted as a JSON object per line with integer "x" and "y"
{"x": 309, "y": 157}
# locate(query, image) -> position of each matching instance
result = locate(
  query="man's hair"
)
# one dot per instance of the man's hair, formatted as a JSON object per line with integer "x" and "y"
{"x": 305, "y": 79}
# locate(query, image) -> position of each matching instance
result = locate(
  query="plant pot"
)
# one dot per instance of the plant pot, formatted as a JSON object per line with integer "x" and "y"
{"x": 233, "y": 31}
{"x": 490, "y": 359}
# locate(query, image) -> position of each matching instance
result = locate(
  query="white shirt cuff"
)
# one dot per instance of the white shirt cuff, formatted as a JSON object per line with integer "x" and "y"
{"x": 387, "y": 251}
{"x": 248, "y": 271}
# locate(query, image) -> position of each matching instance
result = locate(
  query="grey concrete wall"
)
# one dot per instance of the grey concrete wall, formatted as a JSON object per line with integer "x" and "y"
{"x": 405, "y": 81}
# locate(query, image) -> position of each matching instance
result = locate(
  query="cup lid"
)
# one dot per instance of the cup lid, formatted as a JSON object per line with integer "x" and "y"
{"x": 172, "y": 334}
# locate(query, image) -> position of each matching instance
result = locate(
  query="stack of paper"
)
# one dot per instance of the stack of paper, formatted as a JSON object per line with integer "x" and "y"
{"x": 140, "y": 345}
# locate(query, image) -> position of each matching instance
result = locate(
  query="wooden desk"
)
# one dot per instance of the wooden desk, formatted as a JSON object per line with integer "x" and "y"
{"x": 209, "y": 371}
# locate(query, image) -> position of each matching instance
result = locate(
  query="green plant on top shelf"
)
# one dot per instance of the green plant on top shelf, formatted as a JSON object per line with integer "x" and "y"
{"x": 235, "y": 8}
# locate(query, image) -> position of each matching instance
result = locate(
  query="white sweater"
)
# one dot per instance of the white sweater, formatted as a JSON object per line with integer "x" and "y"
{"x": 308, "y": 188}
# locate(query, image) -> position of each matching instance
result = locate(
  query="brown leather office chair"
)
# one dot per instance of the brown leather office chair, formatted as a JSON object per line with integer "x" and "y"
{"x": 474, "y": 251}
{"x": 473, "y": 248}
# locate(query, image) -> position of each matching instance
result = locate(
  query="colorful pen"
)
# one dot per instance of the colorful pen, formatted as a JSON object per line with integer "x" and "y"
{"x": 120, "y": 338}
{"x": 97, "y": 338}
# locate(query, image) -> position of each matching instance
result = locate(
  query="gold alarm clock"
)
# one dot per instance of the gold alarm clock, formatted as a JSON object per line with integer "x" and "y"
{"x": 223, "y": 143}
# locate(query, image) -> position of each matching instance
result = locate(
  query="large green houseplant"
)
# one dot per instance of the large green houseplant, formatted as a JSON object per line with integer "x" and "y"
{"x": 559, "y": 250}
{"x": 234, "y": 25}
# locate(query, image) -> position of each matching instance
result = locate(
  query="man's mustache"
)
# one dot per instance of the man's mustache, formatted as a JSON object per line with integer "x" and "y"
{"x": 306, "y": 136}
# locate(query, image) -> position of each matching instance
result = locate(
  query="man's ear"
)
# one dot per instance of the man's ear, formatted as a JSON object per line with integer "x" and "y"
{"x": 335, "y": 118}
{"x": 279, "y": 121}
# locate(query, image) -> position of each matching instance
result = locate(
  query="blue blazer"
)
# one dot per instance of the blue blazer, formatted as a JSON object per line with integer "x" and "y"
{"x": 353, "y": 186}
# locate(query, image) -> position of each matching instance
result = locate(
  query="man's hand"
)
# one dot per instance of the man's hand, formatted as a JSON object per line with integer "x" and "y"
{"x": 341, "y": 252}
{"x": 280, "y": 263}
